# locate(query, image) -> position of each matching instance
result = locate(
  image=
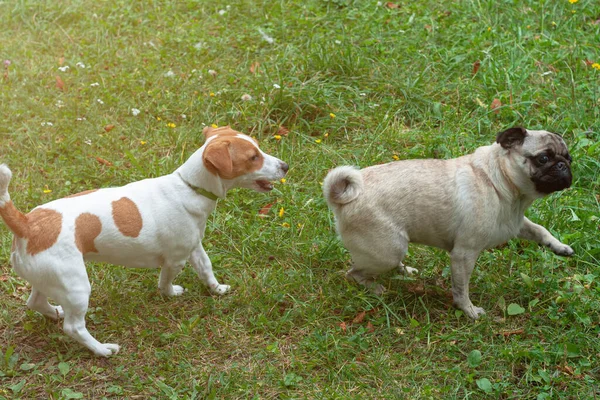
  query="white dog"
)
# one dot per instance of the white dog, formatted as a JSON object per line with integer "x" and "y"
{"x": 152, "y": 223}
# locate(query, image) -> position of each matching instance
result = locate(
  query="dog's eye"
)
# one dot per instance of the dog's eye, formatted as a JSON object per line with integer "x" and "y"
{"x": 254, "y": 158}
{"x": 543, "y": 159}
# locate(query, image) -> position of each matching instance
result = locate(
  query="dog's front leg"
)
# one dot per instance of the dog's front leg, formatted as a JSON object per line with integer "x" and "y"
{"x": 203, "y": 267}
{"x": 540, "y": 235}
{"x": 463, "y": 262}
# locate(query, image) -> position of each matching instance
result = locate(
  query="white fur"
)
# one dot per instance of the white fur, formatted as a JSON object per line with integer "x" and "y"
{"x": 174, "y": 220}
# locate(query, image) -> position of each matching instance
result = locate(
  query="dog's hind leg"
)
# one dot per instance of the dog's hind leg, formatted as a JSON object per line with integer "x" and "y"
{"x": 165, "y": 282}
{"x": 407, "y": 270}
{"x": 203, "y": 267}
{"x": 39, "y": 302}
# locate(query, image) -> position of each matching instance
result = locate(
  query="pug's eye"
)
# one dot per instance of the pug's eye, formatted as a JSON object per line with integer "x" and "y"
{"x": 543, "y": 159}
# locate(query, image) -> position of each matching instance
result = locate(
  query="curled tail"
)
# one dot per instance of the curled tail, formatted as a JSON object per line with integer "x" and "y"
{"x": 14, "y": 219}
{"x": 342, "y": 185}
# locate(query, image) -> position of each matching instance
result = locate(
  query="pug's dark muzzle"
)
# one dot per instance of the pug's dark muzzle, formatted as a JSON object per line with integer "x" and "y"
{"x": 554, "y": 178}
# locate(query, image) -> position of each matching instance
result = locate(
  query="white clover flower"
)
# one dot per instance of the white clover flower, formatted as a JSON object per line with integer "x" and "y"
{"x": 199, "y": 45}
{"x": 338, "y": 42}
{"x": 63, "y": 69}
{"x": 80, "y": 65}
{"x": 362, "y": 94}
{"x": 135, "y": 112}
{"x": 100, "y": 101}
{"x": 212, "y": 72}
{"x": 81, "y": 118}
{"x": 183, "y": 116}
{"x": 222, "y": 12}
{"x": 88, "y": 142}
{"x": 47, "y": 124}
{"x": 169, "y": 74}
{"x": 246, "y": 97}
{"x": 94, "y": 84}
{"x": 276, "y": 86}
{"x": 59, "y": 104}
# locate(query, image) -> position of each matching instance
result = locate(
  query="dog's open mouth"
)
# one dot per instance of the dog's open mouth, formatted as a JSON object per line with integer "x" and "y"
{"x": 264, "y": 185}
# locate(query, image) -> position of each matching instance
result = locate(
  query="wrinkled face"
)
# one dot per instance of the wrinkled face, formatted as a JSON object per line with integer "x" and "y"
{"x": 543, "y": 157}
{"x": 234, "y": 156}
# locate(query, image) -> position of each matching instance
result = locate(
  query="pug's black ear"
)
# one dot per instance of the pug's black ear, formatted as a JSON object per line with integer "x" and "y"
{"x": 511, "y": 137}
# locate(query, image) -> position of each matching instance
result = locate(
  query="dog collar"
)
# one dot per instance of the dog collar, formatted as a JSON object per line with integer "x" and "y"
{"x": 200, "y": 191}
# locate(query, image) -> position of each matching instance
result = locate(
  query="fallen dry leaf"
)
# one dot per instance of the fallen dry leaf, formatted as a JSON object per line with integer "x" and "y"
{"x": 359, "y": 318}
{"x": 343, "y": 326}
{"x": 370, "y": 327}
{"x": 510, "y": 333}
{"x": 60, "y": 84}
{"x": 495, "y": 105}
{"x": 265, "y": 209}
{"x": 104, "y": 162}
{"x": 3, "y": 278}
{"x": 254, "y": 67}
{"x": 391, "y": 5}
{"x": 476, "y": 66}
{"x": 283, "y": 131}
{"x": 109, "y": 128}
{"x": 588, "y": 63}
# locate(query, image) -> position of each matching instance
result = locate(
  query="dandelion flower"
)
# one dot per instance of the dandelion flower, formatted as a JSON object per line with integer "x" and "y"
{"x": 395, "y": 157}
{"x": 135, "y": 112}
{"x": 214, "y": 126}
{"x": 332, "y": 115}
{"x": 281, "y": 212}
{"x": 211, "y": 94}
{"x": 282, "y": 180}
{"x": 171, "y": 125}
{"x": 47, "y": 190}
{"x": 573, "y": 1}
{"x": 318, "y": 141}
{"x": 277, "y": 137}
{"x": 596, "y": 66}
{"x": 142, "y": 142}
{"x": 326, "y": 135}
{"x": 285, "y": 225}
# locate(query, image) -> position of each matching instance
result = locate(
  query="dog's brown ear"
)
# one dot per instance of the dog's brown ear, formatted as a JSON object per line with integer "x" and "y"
{"x": 217, "y": 159}
{"x": 511, "y": 137}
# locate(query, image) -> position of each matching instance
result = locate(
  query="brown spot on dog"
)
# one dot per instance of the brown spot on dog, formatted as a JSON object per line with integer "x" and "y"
{"x": 87, "y": 229}
{"x": 44, "y": 226}
{"x": 127, "y": 217}
{"x": 81, "y": 193}
{"x": 209, "y": 131}
{"x": 40, "y": 227}
{"x": 230, "y": 157}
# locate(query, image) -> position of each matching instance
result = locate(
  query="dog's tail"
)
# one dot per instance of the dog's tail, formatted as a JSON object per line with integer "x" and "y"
{"x": 342, "y": 185}
{"x": 14, "y": 219}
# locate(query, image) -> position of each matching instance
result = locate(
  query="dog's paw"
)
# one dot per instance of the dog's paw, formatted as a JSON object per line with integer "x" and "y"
{"x": 107, "y": 349}
{"x": 173, "y": 290}
{"x": 473, "y": 312}
{"x": 221, "y": 289}
{"x": 376, "y": 288}
{"x": 409, "y": 270}
{"x": 58, "y": 313}
{"x": 562, "y": 250}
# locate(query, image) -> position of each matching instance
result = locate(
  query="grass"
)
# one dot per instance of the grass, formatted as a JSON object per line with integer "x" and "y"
{"x": 358, "y": 83}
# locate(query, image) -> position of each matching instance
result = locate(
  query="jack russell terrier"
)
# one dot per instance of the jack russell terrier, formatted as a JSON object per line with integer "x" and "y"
{"x": 151, "y": 223}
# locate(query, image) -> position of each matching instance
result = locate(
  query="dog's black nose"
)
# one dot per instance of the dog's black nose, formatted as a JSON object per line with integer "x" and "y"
{"x": 561, "y": 166}
{"x": 285, "y": 167}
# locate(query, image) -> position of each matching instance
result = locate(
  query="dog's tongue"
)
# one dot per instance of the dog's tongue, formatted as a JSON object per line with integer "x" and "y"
{"x": 266, "y": 185}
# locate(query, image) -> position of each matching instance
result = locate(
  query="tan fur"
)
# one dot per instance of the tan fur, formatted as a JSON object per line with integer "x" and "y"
{"x": 44, "y": 226}
{"x": 14, "y": 219}
{"x": 230, "y": 157}
{"x": 127, "y": 217}
{"x": 81, "y": 193}
{"x": 87, "y": 228}
{"x": 40, "y": 227}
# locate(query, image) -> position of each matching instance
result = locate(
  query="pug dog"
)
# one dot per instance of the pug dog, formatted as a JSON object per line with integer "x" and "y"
{"x": 462, "y": 205}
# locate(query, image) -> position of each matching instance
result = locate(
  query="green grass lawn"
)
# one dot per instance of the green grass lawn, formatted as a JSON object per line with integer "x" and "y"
{"x": 331, "y": 82}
